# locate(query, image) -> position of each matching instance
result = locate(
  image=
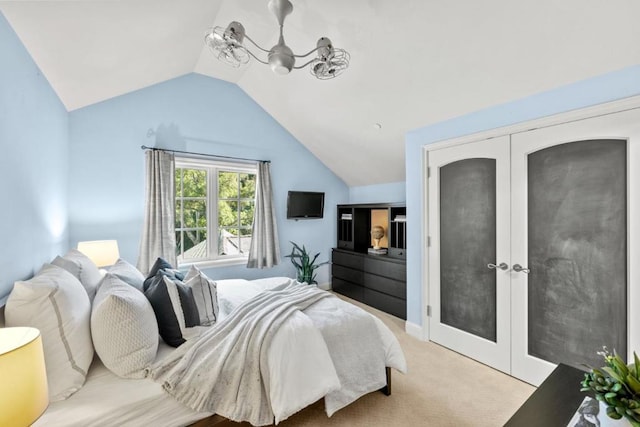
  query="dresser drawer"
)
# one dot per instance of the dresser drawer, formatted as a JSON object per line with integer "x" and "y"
{"x": 388, "y": 286}
{"x": 387, "y": 303}
{"x": 347, "y": 289}
{"x": 348, "y": 260}
{"x": 348, "y": 274}
{"x": 386, "y": 268}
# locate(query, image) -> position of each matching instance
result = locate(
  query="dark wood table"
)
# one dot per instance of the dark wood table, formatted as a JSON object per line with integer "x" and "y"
{"x": 554, "y": 402}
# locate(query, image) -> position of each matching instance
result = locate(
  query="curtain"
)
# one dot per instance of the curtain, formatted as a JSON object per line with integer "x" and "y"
{"x": 158, "y": 233}
{"x": 265, "y": 249}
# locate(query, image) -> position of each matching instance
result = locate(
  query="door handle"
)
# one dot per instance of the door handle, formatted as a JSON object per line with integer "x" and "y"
{"x": 518, "y": 269}
{"x": 502, "y": 266}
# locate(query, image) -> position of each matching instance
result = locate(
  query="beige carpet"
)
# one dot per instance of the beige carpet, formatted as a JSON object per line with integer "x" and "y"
{"x": 442, "y": 388}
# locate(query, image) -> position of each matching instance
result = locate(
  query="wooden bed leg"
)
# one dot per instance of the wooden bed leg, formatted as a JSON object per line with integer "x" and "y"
{"x": 387, "y": 389}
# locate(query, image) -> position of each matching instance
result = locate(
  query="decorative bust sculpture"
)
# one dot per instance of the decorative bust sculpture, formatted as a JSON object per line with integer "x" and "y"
{"x": 377, "y": 233}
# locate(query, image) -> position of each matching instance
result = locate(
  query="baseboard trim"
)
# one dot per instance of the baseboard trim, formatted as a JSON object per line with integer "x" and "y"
{"x": 414, "y": 330}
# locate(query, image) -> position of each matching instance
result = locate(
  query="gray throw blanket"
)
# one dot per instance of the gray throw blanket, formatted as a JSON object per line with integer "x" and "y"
{"x": 225, "y": 368}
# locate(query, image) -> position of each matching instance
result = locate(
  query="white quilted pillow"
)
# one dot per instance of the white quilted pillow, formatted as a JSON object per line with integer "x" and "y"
{"x": 78, "y": 264}
{"x": 124, "y": 328}
{"x": 128, "y": 273}
{"x": 55, "y": 302}
{"x": 205, "y": 293}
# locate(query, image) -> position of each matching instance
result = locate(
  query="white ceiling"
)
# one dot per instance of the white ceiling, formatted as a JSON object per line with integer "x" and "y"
{"x": 413, "y": 63}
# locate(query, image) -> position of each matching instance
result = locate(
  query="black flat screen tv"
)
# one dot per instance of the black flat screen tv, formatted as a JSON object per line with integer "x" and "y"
{"x": 305, "y": 205}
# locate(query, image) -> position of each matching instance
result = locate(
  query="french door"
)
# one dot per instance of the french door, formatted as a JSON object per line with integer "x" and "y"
{"x": 532, "y": 245}
{"x": 469, "y": 255}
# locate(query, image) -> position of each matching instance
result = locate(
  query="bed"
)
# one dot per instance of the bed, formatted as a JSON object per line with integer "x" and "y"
{"x": 296, "y": 378}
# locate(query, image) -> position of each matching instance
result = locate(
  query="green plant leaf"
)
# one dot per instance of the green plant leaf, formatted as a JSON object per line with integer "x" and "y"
{"x": 613, "y": 374}
{"x": 305, "y": 266}
{"x": 611, "y": 412}
{"x": 633, "y": 383}
{"x": 619, "y": 364}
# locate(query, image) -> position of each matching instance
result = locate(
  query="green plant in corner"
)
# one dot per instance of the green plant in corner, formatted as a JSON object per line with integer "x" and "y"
{"x": 617, "y": 385}
{"x": 304, "y": 264}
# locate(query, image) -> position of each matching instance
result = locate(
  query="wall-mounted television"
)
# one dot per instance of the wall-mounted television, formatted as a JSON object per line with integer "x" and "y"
{"x": 305, "y": 205}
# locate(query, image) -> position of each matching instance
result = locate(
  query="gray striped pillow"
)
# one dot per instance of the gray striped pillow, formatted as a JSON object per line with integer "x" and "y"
{"x": 55, "y": 302}
{"x": 205, "y": 293}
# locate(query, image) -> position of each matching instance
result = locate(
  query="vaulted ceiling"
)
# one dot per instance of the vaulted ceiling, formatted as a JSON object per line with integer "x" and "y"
{"x": 413, "y": 63}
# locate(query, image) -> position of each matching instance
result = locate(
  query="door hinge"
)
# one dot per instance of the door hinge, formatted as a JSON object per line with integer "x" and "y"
{"x": 428, "y": 171}
{"x": 428, "y": 241}
{"x": 428, "y": 311}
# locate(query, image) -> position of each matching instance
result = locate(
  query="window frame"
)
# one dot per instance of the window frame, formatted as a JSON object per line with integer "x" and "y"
{"x": 213, "y": 167}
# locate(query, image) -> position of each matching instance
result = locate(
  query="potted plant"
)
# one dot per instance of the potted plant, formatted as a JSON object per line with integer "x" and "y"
{"x": 304, "y": 264}
{"x": 617, "y": 385}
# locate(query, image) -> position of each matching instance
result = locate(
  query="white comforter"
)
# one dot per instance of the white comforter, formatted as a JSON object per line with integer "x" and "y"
{"x": 333, "y": 350}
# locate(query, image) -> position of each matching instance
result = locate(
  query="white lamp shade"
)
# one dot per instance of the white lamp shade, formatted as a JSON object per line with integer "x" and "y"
{"x": 23, "y": 378}
{"x": 102, "y": 252}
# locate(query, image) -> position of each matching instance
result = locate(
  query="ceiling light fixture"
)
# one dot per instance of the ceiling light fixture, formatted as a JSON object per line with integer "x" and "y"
{"x": 227, "y": 45}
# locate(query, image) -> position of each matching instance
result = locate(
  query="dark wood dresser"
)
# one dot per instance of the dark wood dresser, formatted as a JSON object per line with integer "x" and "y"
{"x": 376, "y": 280}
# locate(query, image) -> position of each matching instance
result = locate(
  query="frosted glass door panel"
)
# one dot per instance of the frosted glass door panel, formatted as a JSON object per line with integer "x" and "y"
{"x": 468, "y": 245}
{"x": 577, "y": 251}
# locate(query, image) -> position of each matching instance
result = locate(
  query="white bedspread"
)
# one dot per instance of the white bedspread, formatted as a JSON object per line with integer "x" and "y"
{"x": 232, "y": 292}
{"x": 339, "y": 322}
{"x": 227, "y": 370}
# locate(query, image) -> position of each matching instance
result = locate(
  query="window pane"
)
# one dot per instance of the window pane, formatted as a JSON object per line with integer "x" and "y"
{"x": 228, "y": 243}
{"x": 178, "y": 218}
{"x": 194, "y": 244}
{"x": 191, "y": 213}
{"x": 227, "y": 213}
{"x": 245, "y": 240}
{"x": 247, "y": 185}
{"x": 178, "y": 181}
{"x": 195, "y": 214}
{"x": 194, "y": 183}
{"x": 246, "y": 214}
{"x": 179, "y": 246}
{"x": 227, "y": 185}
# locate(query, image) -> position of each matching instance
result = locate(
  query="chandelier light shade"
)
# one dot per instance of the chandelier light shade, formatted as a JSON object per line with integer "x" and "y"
{"x": 227, "y": 44}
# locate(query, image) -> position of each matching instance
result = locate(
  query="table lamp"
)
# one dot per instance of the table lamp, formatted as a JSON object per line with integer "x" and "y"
{"x": 23, "y": 378}
{"x": 103, "y": 253}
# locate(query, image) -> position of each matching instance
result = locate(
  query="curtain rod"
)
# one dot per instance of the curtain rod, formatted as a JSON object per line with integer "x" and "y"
{"x": 144, "y": 147}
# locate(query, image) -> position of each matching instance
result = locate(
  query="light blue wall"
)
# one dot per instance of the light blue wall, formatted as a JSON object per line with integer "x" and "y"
{"x": 198, "y": 114}
{"x": 394, "y": 192}
{"x": 605, "y": 88}
{"x": 33, "y": 164}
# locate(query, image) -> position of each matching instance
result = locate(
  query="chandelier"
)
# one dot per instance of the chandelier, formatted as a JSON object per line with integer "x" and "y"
{"x": 227, "y": 45}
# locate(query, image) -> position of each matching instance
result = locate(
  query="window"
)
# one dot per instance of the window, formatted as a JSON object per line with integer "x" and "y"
{"x": 214, "y": 210}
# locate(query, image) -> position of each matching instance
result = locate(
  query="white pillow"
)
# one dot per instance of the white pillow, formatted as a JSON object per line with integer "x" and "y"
{"x": 124, "y": 328}
{"x": 128, "y": 274}
{"x": 78, "y": 264}
{"x": 56, "y": 303}
{"x": 205, "y": 293}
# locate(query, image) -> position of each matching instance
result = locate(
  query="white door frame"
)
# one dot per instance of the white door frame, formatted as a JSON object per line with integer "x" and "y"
{"x": 561, "y": 118}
